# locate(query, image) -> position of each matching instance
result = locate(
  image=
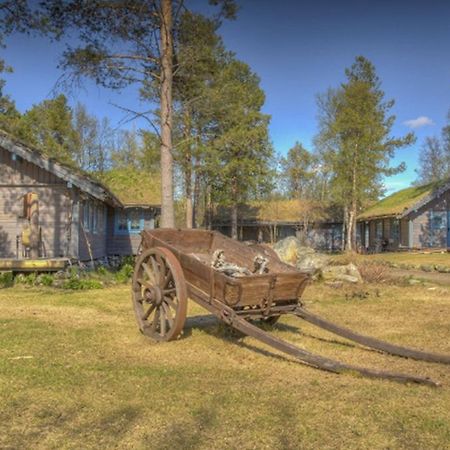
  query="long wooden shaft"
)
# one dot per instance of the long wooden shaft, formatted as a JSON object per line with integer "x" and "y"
{"x": 370, "y": 341}
{"x": 227, "y": 315}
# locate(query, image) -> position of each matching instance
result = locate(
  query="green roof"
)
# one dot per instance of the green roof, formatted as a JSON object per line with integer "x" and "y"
{"x": 133, "y": 187}
{"x": 399, "y": 202}
{"x": 277, "y": 211}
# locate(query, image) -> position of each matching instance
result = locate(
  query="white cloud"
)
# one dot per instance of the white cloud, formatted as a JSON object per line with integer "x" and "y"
{"x": 421, "y": 121}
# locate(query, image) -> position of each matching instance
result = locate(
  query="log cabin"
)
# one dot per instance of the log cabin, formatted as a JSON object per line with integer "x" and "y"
{"x": 417, "y": 217}
{"x": 52, "y": 210}
{"x": 316, "y": 225}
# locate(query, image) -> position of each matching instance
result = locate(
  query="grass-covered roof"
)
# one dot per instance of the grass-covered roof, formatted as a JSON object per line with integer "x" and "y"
{"x": 399, "y": 202}
{"x": 277, "y": 211}
{"x": 133, "y": 187}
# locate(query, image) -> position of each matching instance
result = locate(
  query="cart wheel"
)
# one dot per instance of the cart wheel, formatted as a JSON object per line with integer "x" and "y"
{"x": 159, "y": 294}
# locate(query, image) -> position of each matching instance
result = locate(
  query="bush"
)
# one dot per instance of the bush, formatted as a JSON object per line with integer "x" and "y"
{"x": 28, "y": 279}
{"x": 76, "y": 283}
{"x": 101, "y": 270}
{"x": 124, "y": 274}
{"x": 45, "y": 279}
{"x": 6, "y": 279}
{"x": 373, "y": 271}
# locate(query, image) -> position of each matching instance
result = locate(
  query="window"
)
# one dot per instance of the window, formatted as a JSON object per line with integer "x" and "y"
{"x": 134, "y": 218}
{"x": 395, "y": 230}
{"x": 121, "y": 221}
{"x": 129, "y": 221}
{"x": 379, "y": 230}
{"x": 92, "y": 216}
{"x": 437, "y": 220}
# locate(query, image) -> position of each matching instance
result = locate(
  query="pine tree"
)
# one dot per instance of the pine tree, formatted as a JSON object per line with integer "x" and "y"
{"x": 356, "y": 143}
{"x": 49, "y": 126}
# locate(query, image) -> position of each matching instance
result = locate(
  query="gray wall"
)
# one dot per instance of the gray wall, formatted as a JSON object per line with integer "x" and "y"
{"x": 126, "y": 244}
{"x": 19, "y": 177}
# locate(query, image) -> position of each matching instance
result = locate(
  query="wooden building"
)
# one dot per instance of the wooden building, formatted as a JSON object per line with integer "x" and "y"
{"x": 51, "y": 210}
{"x": 414, "y": 218}
{"x": 271, "y": 221}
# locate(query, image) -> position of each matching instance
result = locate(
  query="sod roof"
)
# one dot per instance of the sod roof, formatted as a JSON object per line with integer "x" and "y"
{"x": 399, "y": 203}
{"x": 120, "y": 187}
{"x": 277, "y": 211}
{"x": 134, "y": 188}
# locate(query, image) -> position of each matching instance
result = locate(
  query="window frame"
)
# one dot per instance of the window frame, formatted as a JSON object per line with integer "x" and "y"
{"x": 129, "y": 229}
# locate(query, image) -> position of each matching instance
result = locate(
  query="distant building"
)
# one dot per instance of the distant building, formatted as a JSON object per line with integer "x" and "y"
{"x": 273, "y": 220}
{"x": 50, "y": 210}
{"x": 414, "y": 218}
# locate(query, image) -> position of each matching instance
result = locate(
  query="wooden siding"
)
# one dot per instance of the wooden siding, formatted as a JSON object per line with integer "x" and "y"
{"x": 125, "y": 244}
{"x": 19, "y": 177}
{"x": 423, "y": 234}
{"x": 92, "y": 244}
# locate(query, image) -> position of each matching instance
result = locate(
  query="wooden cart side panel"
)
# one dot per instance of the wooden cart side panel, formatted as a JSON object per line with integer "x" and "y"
{"x": 289, "y": 286}
{"x": 196, "y": 273}
{"x": 186, "y": 241}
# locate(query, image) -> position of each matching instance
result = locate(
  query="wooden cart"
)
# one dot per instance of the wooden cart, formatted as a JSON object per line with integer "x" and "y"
{"x": 175, "y": 265}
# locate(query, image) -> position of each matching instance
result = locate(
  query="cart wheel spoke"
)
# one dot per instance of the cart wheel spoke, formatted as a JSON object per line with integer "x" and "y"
{"x": 149, "y": 273}
{"x": 170, "y": 302}
{"x": 162, "y": 319}
{"x": 168, "y": 314}
{"x": 149, "y": 311}
{"x": 155, "y": 270}
{"x": 144, "y": 283}
{"x": 155, "y": 321}
{"x": 159, "y": 294}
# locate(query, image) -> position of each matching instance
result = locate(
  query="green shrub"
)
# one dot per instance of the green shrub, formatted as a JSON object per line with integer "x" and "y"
{"x": 124, "y": 274}
{"x": 45, "y": 279}
{"x": 101, "y": 270}
{"x": 6, "y": 279}
{"x": 76, "y": 283}
{"x": 28, "y": 279}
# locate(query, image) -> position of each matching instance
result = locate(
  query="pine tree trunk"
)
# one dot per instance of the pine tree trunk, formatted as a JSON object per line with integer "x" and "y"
{"x": 351, "y": 226}
{"x": 189, "y": 207}
{"x": 350, "y": 231}
{"x": 167, "y": 207}
{"x": 234, "y": 220}
{"x": 209, "y": 207}
{"x": 344, "y": 227}
{"x": 234, "y": 209}
{"x": 188, "y": 169}
{"x": 196, "y": 201}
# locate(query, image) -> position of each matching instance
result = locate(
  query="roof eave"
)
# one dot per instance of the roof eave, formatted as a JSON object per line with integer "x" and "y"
{"x": 83, "y": 182}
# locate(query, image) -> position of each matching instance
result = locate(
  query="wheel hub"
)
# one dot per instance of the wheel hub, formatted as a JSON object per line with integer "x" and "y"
{"x": 153, "y": 295}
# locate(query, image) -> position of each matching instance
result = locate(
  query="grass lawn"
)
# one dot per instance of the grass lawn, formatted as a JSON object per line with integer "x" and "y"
{"x": 76, "y": 373}
{"x": 410, "y": 258}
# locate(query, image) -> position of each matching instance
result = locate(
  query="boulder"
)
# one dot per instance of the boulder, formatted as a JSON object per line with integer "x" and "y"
{"x": 289, "y": 250}
{"x": 312, "y": 262}
{"x": 348, "y": 273}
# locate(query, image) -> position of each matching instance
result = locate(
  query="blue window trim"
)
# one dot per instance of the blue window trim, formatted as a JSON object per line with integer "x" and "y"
{"x": 128, "y": 230}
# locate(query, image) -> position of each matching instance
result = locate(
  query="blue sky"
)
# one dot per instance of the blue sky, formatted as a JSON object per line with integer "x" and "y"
{"x": 299, "y": 49}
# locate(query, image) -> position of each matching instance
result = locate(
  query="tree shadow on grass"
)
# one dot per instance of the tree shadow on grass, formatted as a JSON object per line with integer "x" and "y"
{"x": 185, "y": 433}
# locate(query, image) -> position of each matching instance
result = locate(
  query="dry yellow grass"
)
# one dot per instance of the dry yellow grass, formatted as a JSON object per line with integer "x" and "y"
{"x": 75, "y": 373}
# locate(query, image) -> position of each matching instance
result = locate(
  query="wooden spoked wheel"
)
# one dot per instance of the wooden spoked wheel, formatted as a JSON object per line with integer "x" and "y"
{"x": 159, "y": 294}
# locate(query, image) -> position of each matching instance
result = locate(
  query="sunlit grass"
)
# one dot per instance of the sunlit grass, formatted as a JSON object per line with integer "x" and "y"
{"x": 75, "y": 373}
